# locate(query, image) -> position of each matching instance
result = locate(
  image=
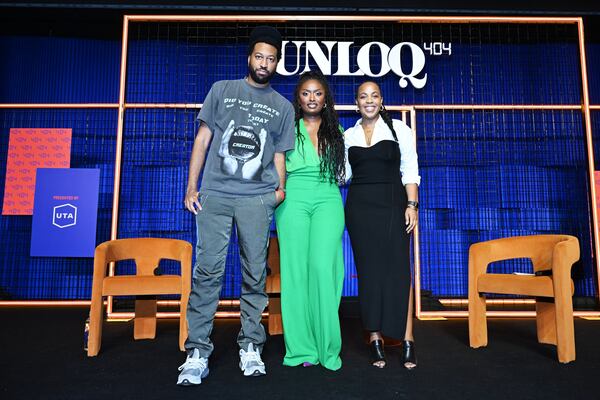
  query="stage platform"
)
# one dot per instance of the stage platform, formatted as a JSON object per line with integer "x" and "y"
{"x": 42, "y": 357}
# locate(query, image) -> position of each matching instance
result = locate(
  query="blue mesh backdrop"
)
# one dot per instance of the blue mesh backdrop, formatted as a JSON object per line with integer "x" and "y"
{"x": 485, "y": 173}
{"x": 93, "y": 146}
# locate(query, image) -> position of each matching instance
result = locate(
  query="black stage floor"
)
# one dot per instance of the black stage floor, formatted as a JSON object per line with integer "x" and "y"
{"x": 41, "y": 357}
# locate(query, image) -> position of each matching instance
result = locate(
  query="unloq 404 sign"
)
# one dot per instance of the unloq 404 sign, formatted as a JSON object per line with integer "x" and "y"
{"x": 388, "y": 59}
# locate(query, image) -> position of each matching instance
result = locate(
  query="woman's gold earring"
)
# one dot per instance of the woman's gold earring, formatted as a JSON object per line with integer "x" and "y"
{"x": 381, "y": 108}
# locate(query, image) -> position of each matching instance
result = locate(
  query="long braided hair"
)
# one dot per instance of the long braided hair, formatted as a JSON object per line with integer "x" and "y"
{"x": 331, "y": 141}
{"x": 382, "y": 111}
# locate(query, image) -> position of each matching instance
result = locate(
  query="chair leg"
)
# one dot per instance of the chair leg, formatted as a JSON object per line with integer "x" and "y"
{"x": 275, "y": 323}
{"x": 545, "y": 318}
{"x": 144, "y": 326}
{"x": 183, "y": 326}
{"x": 478, "y": 336}
{"x": 565, "y": 331}
{"x": 95, "y": 328}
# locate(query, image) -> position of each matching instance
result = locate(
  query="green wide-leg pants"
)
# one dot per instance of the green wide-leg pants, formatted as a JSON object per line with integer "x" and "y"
{"x": 310, "y": 224}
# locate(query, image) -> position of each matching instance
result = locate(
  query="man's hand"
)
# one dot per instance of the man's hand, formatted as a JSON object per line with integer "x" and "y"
{"x": 191, "y": 201}
{"x": 279, "y": 196}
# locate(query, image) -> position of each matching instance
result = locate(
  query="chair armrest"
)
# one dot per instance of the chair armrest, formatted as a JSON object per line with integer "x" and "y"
{"x": 564, "y": 255}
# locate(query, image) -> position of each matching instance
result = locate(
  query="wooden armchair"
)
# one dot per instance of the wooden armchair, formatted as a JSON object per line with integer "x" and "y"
{"x": 552, "y": 257}
{"x": 273, "y": 288}
{"x": 147, "y": 253}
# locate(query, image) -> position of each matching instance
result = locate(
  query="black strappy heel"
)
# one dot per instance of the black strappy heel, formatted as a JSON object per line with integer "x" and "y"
{"x": 408, "y": 354}
{"x": 377, "y": 353}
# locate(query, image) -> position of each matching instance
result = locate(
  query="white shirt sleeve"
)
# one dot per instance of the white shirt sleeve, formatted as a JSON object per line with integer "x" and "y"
{"x": 348, "y": 173}
{"x": 409, "y": 166}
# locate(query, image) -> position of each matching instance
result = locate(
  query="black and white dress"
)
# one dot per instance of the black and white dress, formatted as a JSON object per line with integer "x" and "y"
{"x": 375, "y": 208}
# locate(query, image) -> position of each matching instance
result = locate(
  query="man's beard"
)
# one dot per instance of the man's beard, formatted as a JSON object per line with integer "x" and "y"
{"x": 258, "y": 79}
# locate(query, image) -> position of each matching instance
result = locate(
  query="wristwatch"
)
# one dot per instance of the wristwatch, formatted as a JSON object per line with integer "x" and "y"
{"x": 413, "y": 204}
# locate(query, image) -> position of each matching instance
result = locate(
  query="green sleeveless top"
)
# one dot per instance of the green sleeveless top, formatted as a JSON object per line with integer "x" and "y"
{"x": 304, "y": 154}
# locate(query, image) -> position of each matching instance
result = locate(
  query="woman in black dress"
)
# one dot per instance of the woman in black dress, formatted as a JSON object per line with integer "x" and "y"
{"x": 381, "y": 212}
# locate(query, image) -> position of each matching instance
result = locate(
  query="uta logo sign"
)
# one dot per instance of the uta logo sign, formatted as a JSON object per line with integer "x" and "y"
{"x": 64, "y": 215}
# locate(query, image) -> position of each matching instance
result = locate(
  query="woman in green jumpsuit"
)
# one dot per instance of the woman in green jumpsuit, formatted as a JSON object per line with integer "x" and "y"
{"x": 310, "y": 224}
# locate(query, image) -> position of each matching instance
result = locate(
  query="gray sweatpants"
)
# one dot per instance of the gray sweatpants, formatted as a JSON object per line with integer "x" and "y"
{"x": 252, "y": 216}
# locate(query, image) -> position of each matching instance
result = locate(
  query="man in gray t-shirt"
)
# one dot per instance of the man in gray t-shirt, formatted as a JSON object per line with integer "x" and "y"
{"x": 249, "y": 124}
{"x": 246, "y": 127}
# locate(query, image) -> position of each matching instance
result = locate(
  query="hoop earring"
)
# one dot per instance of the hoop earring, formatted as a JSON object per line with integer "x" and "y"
{"x": 325, "y": 105}
{"x": 382, "y": 108}
{"x": 357, "y": 110}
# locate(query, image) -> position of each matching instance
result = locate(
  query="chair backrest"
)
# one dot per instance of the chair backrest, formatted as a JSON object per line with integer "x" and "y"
{"x": 541, "y": 249}
{"x": 273, "y": 255}
{"x": 146, "y": 252}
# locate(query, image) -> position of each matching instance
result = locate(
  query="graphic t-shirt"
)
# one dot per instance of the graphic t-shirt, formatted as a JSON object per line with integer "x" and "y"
{"x": 249, "y": 125}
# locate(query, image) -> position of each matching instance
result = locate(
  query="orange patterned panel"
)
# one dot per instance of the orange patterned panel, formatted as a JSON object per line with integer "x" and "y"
{"x": 29, "y": 149}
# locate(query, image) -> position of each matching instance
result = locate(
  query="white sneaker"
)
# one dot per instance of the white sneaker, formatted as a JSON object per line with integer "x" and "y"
{"x": 251, "y": 363}
{"x": 193, "y": 370}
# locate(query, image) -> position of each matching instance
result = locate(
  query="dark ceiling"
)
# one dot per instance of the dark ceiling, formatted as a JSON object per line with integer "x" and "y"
{"x": 103, "y": 19}
{"x": 538, "y": 7}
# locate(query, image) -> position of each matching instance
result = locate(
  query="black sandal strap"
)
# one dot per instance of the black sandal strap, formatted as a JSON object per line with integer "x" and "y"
{"x": 408, "y": 353}
{"x": 377, "y": 353}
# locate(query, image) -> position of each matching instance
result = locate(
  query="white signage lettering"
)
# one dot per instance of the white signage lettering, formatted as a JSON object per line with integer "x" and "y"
{"x": 64, "y": 215}
{"x": 390, "y": 60}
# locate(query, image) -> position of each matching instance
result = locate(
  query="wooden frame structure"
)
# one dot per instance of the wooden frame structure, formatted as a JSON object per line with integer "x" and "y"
{"x": 407, "y": 112}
